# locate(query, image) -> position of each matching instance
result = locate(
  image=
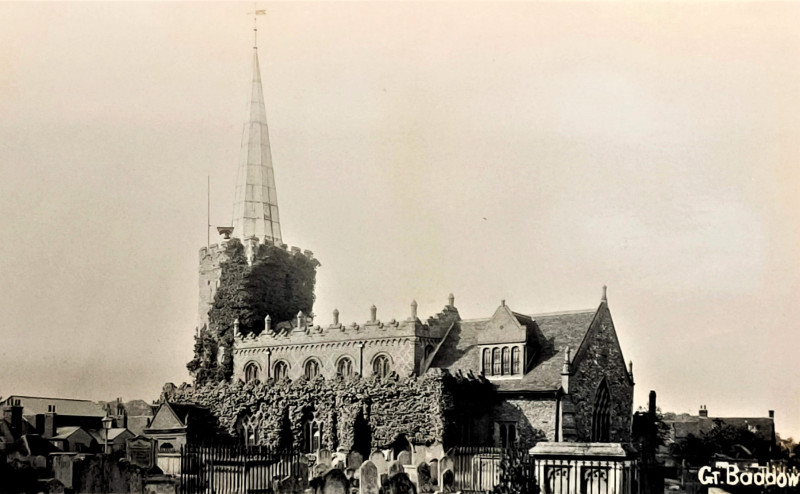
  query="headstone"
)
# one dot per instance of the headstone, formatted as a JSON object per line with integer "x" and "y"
{"x": 350, "y": 473}
{"x": 335, "y": 482}
{"x": 287, "y": 486}
{"x": 141, "y": 452}
{"x": 320, "y": 470}
{"x": 434, "y": 469}
{"x": 448, "y": 481}
{"x": 379, "y": 461}
{"x": 304, "y": 470}
{"x": 435, "y": 451}
{"x": 411, "y": 471}
{"x": 62, "y": 469}
{"x": 338, "y": 464}
{"x": 400, "y": 484}
{"x": 404, "y": 457}
{"x": 324, "y": 457}
{"x": 395, "y": 467}
{"x": 424, "y": 483}
{"x": 354, "y": 459}
{"x": 368, "y": 478}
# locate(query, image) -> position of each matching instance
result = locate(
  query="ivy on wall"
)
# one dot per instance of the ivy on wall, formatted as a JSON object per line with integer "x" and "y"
{"x": 277, "y": 283}
{"x": 379, "y": 410}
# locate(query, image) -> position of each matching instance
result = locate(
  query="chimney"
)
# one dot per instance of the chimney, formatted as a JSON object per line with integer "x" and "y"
{"x": 703, "y": 411}
{"x": 604, "y": 298}
{"x": 50, "y": 428}
{"x": 772, "y": 414}
{"x": 651, "y": 408}
{"x": 16, "y": 419}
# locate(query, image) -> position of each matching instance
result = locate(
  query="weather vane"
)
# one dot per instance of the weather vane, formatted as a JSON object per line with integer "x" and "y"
{"x": 255, "y": 13}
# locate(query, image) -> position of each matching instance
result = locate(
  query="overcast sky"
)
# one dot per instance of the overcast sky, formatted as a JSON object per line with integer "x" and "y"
{"x": 530, "y": 152}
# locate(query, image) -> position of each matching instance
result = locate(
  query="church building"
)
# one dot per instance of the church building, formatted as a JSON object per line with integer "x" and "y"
{"x": 560, "y": 377}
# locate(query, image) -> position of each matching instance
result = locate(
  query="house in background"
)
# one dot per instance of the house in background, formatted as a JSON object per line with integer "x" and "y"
{"x": 175, "y": 424}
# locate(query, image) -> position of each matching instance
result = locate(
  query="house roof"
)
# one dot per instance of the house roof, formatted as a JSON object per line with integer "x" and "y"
{"x": 65, "y": 432}
{"x": 762, "y": 427}
{"x": 34, "y": 405}
{"x": 554, "y": 331}
{"x": 113, "y": 434}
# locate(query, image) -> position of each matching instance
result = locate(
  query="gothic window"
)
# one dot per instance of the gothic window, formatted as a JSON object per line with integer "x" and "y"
{"x": 496, "y": 364}
{"x": 487, "y": 362}
{"x": 250, "y": 372}
{"x": 506, "y": 434}
{"x": 601, "y": 415}
{"x": 506, "y": 361}
{"x": 345, "y": 367}
{"x": 280, "y": 370}
{"x": 311, "y": 369}
{"x": 516, "y": 368}
{"x": 312, "y": 435}
{"x": 380, "y": 366}
{"x": 428, "y": 352}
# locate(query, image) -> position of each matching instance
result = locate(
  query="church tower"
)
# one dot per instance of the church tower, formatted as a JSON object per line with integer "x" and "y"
{"x": 255, "y": 207}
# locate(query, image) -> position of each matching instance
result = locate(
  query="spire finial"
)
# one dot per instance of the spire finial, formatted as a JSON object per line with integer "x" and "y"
{"x": 605, "y": 294}
{"x": 256, "y": 13}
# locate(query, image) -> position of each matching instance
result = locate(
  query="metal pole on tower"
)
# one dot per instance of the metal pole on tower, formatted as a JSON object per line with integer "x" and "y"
{"x": 208, "y": 213}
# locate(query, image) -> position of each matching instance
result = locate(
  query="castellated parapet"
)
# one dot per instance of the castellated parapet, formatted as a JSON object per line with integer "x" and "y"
{"x": 302, "y": 348}
{"x": 212, "y": 257}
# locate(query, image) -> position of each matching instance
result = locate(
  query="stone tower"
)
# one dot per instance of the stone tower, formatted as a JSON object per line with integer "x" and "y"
{"x": 255, "y": 207}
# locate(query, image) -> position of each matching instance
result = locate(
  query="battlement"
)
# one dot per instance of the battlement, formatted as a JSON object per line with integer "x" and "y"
{"x": 302, "y": 329}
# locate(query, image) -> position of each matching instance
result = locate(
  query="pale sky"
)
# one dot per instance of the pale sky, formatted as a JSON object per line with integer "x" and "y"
{"x": 530, "y": 152}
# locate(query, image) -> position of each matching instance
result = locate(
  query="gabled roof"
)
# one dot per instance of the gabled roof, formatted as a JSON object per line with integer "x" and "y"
{"x": 554, "y": 332}
{"x": 113, "y": 434}
{"x": 34, "y": 405}
{"x": 167, "y": 418}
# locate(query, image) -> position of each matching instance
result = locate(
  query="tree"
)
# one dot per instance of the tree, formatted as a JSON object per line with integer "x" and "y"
{"x": 278, "y": 283}
{"x": 722, "y": 439}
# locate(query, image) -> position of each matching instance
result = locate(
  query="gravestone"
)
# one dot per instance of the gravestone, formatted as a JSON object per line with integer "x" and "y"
{"x": 434, "y": 469}
{"x": 395, "y": 467}
{"x": 287, "y": 486}
{"x": 448, "y": 481}
{"x": 141, "y": 452}
{"x": 338, "y": 464}
{"x": 368, "y": 478}
{"x": 324, "y": 457}
{"x": 424, "y": 483}
{"x": 335, "y": 482}
{"x": 435, "y": 450}
{"x": 404, "y": 458}
{"x": 320, "y": 470}
{"x": 400, "y": 484}
{"x": 379, "y": 461}
{"x": 304, "y": 470}
{"x": 354, "y": 459}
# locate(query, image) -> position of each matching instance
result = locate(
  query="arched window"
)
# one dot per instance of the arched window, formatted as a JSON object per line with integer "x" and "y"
{"x": 487, "y": 362}
{"x": 601, "y": 415}
{"x": 496, "y": 363}
{"x": 380, "y": 366}
{"x": 516, "y": 368}
{"x": 280, "y": 370}
{"x": 345, "y": 367}
{"x": 312, "y": 435}
{"x": 506, "y": 361}
{"x": 428, "y": 352}
{"x": 250, "y": 372}
{"x": 311, "y": 369}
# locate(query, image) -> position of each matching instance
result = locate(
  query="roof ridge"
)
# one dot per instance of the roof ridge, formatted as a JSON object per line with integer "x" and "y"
{"x": 50, "y": 398}
{"x": 563, "y": 312}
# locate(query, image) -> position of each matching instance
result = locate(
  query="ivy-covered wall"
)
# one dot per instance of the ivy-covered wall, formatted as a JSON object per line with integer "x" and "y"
{"x": 423, "y": 409}
{"x": 278, "y": 283}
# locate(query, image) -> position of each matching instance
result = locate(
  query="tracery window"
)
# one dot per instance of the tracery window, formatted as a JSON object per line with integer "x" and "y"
{"x": 280, "y": 370}
{"x": 380, "y": 366}
{"x": 311, "y": 369}
{"x": 516, "y": 368}
{"x": 250, "y": 372}
{"x": 502, "y": 361}
{"x": 345, "y": 367}
{"x": 601, "y": 415}
{"x": 506, "y": 434}
{"x": 312, "y": 435}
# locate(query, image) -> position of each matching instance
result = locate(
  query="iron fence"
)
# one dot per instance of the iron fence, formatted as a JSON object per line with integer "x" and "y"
{"x": 234, "y": 469}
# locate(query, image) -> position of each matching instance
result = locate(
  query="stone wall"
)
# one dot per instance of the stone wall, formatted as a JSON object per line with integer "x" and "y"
{"x": 535, "y": 420}
{"x": 599, "y": 358}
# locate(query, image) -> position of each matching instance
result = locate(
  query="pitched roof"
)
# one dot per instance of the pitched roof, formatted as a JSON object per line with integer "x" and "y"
{"x": 34, "y": 405}
{"x": 762, "y": 427}
{"x": 554, "y": 331}
{"x": 557, "y": 331}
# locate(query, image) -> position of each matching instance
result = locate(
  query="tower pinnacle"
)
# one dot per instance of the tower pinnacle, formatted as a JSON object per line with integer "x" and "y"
{"x": 255, "y": 207}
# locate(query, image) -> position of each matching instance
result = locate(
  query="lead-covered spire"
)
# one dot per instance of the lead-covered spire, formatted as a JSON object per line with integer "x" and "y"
{"x": 255, "y": 207}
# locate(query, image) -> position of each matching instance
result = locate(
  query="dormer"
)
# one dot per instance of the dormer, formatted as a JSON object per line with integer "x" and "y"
{"x": 503, "y": 344}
